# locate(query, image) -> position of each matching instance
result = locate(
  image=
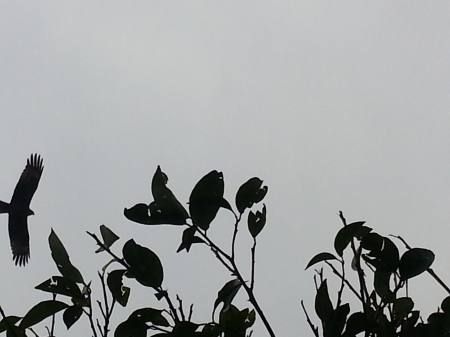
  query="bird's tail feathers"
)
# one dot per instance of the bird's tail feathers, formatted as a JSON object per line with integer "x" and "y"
{"x": 4, "y": 207}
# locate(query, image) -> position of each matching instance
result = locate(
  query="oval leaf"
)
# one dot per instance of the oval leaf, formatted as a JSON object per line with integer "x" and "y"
{"x": 345, "y": 235}
{"x": 40, "y": 312}
{"x": 144, "y": 264}
{"x": 402, "y": 307}
{"x": 131, "y": 328}
{"x": 62, "y": 260}
{"x": 71, "y": 315}
{"x": 414, "y": 262}
{"x": 250, "y": 193}
{"x": 206, "y": 199}
{"x": 149, "y": 315}
{"x": 320, "y": 257}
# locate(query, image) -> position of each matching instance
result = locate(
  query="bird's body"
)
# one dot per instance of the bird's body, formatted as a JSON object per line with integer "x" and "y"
{"x": 19, "y": 209}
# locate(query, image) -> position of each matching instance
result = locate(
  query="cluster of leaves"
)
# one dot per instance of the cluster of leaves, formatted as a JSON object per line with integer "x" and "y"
{"x": 385, "y": 308}
{"x": 72, "y": 296}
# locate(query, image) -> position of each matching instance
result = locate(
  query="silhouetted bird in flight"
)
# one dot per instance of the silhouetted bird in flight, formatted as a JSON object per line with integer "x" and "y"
{"x": 19, "y": 209}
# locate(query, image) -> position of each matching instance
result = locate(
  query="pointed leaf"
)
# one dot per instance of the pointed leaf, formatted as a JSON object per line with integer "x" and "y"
{"x": 145, "y": 264}
{"x": 189, "y": 239}
{"x": 62, "y": 260}
{"x": 206, "y": 199}
{"x": 170, "y": 209}
{"x": 414, "y": 262}
{"x": 119, "y": 292}
{"x": 8, "y": 321}
{"x": 320, "y": 257}
{"x": 40, "y": 312}
{"x": 227, "y": 294}
{"x": 71, "y": 315}
{"x": 256, "y": 222}
{"x": 61, "y": 285}
{"x": 324, "y": 308}
{"x": 250, "y": 193}
{"x": 109, "y": 237}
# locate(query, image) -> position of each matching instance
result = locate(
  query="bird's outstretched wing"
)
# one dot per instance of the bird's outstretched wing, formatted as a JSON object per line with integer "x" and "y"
{"x": 19, "y": 209}
{"x": 28, "y": 183}
{"x": 19, "y": 238}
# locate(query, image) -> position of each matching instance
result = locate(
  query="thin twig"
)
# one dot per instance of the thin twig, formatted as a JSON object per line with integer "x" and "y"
{"x": 180, "y": 307}
{"x": 349, "y": 285}
{"x": 52, "y": 330}
{"x": 221, "y": 255}
{"x": 314, "y": 329}
{"x": 252, "y": 272}
{"x": 235, "y": 232}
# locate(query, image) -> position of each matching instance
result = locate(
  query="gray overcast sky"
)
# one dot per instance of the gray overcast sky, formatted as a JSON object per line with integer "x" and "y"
{"x": 336, "y": 105}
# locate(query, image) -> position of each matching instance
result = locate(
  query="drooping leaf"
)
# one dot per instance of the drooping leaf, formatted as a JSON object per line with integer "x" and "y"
{"x": 109, "y": 237}
{"x": 383, "y": 253}
{"x": 189, "y": 239}
{"x": 62, "y": 260}
{"x": 250, "y": 193}
{"x": 131, "y": 328}
{"x": 149, "y": 315}
{"x": 346, "y": 234}
{"x": 206, "y": 199}
{"x": 40, "y": 312}
{"x": 414, "y": 262}
{"x": 381, "y": 285}
{"x": 227, "y": 294}
{"x": 320, "y": 257}
{"x": 119, "y": 292}
{"x": 145, "y": 264}
{"x": 61, "y": 285}
{"x": 71, "y": 315}
{"x": 323, "y": 306}
{"x": 256, "y": 222}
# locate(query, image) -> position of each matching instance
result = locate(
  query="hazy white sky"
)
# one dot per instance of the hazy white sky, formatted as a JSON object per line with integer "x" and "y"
{"x": 335, "y": 105}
